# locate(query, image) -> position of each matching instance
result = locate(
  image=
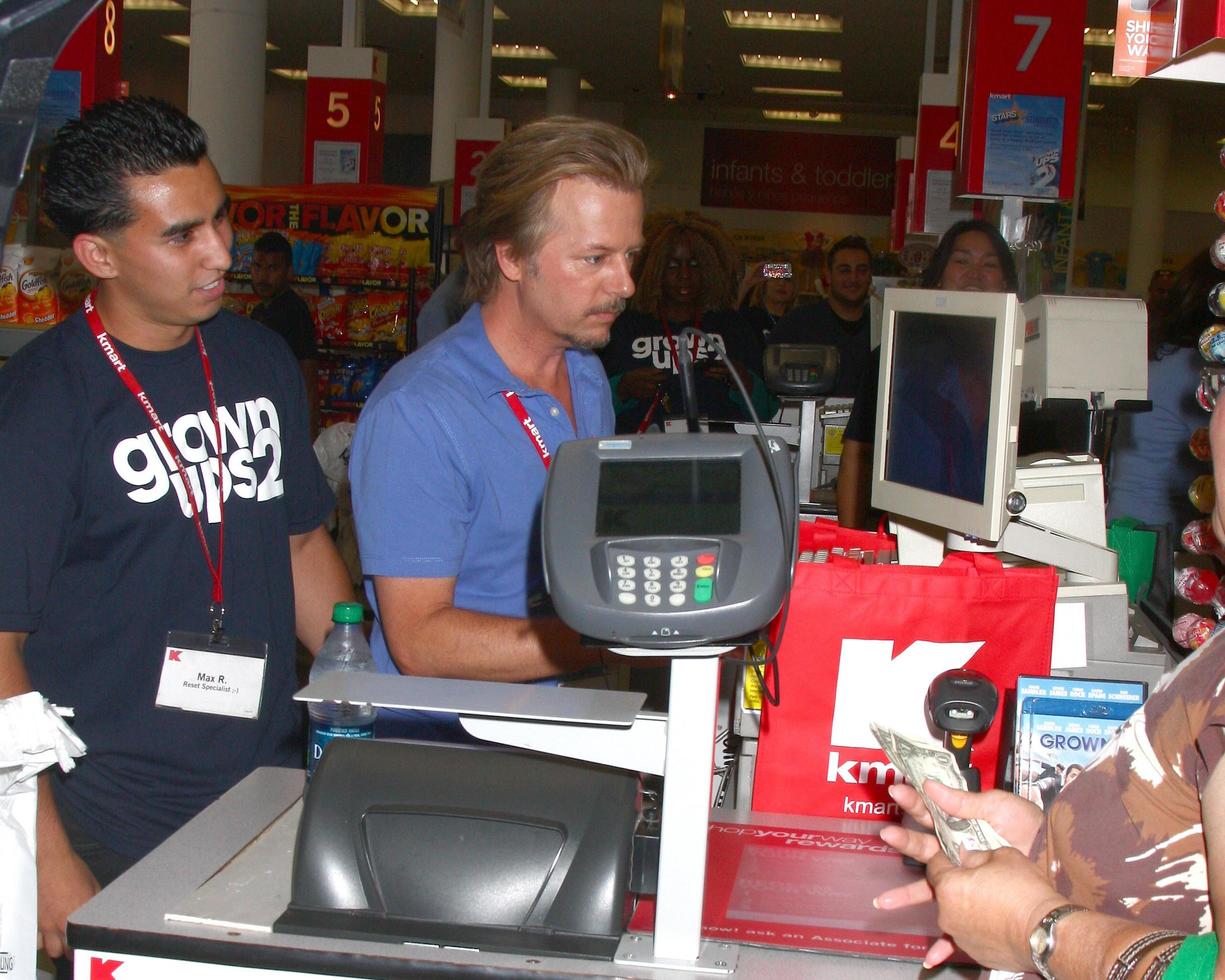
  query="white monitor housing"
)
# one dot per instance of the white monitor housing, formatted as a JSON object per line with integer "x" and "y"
{"x": 948, "y": 408}
{"x": 1087, "y": 348}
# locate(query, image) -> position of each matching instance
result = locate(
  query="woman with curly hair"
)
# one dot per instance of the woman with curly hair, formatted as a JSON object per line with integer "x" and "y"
{"x": 686, "y": 277}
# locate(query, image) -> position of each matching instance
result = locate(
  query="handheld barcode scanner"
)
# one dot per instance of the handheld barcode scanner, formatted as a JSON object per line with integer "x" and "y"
{"x": 961, "y": 704}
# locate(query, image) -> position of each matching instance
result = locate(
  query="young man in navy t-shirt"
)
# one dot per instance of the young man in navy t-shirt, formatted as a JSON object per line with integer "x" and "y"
{"x": 161, "y": 539}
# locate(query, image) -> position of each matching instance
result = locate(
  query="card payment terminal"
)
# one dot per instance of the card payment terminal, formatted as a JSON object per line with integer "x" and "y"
{"x": 665, "y": 541}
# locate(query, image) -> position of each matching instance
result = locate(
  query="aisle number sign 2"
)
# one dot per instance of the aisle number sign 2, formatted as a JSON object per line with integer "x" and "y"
{"x": 1020, "y": 111}
{"x": 346, "y": 92}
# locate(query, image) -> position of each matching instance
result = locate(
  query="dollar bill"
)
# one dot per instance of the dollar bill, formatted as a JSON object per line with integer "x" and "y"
{"x": 920, "y": 761}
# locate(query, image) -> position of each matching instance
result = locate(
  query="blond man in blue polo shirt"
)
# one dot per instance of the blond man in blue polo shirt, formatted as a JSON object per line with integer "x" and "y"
{"x": 450, "y": 456}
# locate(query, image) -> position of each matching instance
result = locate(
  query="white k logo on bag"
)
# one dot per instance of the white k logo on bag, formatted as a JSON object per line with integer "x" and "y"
{"x": 874, "y": 684}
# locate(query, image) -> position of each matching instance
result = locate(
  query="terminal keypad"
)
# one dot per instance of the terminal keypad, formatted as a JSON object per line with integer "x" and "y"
{"x": 664, "y": 579}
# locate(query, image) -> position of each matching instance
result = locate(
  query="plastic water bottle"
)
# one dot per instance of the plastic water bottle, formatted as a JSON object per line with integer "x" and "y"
{"x": 344, "y": 649}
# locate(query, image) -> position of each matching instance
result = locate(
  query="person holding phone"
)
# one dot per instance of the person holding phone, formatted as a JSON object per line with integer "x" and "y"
{"x": 768, "y": 292}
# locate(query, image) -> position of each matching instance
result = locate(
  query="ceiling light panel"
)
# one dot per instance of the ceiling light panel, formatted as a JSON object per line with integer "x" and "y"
{"x": 821, "y": 93}
{"x": 793, "y": 115}
{"x": 535, "y": 81}
{"x": 523, "y": 51}
{"x": 184, "y": 40}
{"x": 1099, "y": 37}
{"x": 293, "y": 74}
{"x": 426, "y": 8}
{"x": 782, "y": 20}
{"x": 144, "y": 5}
{"x": 790, "y": 62}
{"x": 1106, "y": 80}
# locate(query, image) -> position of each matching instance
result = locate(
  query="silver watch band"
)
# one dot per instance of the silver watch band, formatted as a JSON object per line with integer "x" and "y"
{"x": 1046, "y": 928}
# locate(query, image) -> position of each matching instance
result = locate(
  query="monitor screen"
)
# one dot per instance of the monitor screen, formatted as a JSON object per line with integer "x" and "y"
{"x": 948, "y": 408}
{"x": 650, "y": 498}
{"x": 941, "y": 403}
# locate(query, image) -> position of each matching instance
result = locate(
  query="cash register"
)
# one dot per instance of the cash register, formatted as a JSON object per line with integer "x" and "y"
{"x": 679, "y": 544}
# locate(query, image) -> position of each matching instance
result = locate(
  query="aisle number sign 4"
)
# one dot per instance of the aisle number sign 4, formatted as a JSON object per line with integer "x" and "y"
{"x": 1020, "y": 111}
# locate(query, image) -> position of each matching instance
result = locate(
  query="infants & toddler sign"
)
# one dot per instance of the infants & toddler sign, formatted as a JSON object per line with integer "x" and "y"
{"x": 776, "y": 171}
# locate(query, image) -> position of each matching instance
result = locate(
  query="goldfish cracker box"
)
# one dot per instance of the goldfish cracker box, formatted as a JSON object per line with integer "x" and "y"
{"x": 10, "y": 261}
{"x": 37, "y": 302}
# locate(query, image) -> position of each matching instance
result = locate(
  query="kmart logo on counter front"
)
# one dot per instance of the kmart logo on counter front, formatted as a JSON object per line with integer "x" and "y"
{"x": 100, "y": 969}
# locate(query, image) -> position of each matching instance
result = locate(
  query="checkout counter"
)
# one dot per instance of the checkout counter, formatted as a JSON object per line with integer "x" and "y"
{"x": 237, "y": 890}
{"x": 231, "y": 893}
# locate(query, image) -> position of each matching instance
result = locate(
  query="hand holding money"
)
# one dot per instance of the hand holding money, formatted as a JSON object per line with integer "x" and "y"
{"x": 918, "y": 762}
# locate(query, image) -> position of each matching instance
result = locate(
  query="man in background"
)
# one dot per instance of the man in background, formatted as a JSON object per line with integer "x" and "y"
{"x": 284, "y": 311}
{"x": 842, "y": 319}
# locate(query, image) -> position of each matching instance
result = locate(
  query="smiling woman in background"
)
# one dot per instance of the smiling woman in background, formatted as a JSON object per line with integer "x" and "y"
{"x": 971, "y": 257}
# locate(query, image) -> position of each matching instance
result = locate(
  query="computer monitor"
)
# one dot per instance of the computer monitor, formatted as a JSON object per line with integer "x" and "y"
{"x": 948, "y": 408}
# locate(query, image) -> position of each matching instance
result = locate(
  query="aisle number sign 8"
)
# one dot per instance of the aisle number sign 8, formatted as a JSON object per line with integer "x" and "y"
{"x": 110, "y": 17}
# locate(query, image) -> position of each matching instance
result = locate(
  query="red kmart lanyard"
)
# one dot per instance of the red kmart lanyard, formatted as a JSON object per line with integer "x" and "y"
{"x": 529, "y": 427}
{"x": 129, "y": 379}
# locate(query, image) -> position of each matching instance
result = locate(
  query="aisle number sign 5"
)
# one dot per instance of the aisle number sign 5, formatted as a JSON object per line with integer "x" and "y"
{"x": 338, "y": 111}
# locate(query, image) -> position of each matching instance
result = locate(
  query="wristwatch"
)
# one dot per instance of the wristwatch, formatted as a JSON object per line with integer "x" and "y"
{"x": 1042, "y": 939}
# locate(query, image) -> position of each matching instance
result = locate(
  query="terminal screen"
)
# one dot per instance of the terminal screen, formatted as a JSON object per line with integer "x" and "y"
{"x": 940, "y": 403}
{"x": 650, "y": 498}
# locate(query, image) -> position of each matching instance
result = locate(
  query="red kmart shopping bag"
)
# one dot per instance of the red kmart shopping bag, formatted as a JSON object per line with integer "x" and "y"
{"x": 862, "y": 644}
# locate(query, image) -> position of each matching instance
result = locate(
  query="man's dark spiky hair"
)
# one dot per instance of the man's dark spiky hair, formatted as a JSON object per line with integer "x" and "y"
{"x": 91, "y": 158}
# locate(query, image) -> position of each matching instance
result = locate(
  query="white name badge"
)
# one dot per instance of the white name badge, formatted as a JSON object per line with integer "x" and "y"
{"x": 225, "y": 678}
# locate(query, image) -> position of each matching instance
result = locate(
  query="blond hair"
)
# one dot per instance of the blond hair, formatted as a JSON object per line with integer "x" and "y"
{"x": 717, "y": 257}
{"x": 516, "y": 183}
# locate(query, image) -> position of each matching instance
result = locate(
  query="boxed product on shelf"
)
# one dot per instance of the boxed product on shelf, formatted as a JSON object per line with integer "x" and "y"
{"x": 349, "y": 381}
{"x": 40, "y": 285}
{"x": 1061, "y": 724}
{"x": 329, "y": 313}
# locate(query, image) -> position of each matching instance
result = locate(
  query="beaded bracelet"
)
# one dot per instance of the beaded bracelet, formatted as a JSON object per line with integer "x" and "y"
{"x": 1156, "y": 969}
{"x": 1131, "y": 955}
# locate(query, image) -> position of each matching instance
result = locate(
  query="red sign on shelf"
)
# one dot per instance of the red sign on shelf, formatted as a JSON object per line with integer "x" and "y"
{"x": 1020, "y": 111}
{"x": 777, "y": 171}
{"x": 346, "y": 102}
{"x": 933, "y": 205}
{"x": 1143, "y": 39}
{"x": 903, "y": 173}
{"x": 93, "y": 50}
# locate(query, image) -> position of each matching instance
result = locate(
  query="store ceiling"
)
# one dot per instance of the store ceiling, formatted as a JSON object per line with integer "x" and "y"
{"x": 615, "y": 47}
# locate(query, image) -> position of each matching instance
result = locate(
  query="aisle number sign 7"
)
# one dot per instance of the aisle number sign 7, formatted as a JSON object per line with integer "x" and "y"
{"x": 1023, "y": 80}
{"x": 1041, "y": 25}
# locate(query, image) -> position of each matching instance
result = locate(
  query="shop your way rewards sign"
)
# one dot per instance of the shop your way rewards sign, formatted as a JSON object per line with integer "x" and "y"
{"x": 779, "y": 171}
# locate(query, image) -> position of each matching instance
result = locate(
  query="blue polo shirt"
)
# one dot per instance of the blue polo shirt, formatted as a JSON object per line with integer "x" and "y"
{"x": 448, "y": 483}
